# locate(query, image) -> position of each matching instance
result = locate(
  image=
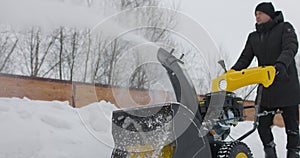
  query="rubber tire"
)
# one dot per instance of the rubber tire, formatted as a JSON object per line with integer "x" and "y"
{"x": 117, "y": 153}
{"x": 235, "y": 149}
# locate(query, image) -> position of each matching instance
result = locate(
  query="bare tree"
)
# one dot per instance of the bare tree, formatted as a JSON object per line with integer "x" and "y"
{"x": 138, "y": 78}
{"x": 56, "y": 59}
{"x": 7, "y": 47}
{"x": 35, "y": 47}
{"x": 87, "y": 57}
{"x": 72, "y": 55}
{"x": 61, "y": 48}
{"x": 159, "y": 22}
{"x": 110, "y": 57}
{"x": 97, "y": 63}
{"x": 66, "y": 53}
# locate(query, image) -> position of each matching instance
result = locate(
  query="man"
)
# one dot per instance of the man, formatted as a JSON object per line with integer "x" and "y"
{"x": 275, "y": 43}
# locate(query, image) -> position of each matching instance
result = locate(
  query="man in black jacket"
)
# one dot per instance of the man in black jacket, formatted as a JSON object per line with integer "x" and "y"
{"x": 275, "y": 43}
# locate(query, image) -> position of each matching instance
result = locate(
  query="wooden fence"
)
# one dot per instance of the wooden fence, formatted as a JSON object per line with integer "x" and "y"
{"x": 78, "y": 94}
{"x": 81, "y": 94}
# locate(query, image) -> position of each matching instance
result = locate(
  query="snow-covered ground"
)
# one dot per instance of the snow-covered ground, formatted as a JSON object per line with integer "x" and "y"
{"x": 43, "y": 129}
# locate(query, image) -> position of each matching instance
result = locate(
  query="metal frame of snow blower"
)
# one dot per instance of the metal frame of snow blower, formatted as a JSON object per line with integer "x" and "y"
{"x": 187, "y": 120}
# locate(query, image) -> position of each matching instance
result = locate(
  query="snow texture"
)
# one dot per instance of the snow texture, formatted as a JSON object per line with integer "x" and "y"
{"x": 36, "y": 129}
{"x": 44, "y": 129}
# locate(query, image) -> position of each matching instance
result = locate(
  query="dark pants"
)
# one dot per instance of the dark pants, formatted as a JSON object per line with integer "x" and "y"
{"x": 291, "y": 120}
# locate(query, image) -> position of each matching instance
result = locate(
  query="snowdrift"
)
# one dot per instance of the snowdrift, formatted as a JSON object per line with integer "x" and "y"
{"x": 44, "y": 129}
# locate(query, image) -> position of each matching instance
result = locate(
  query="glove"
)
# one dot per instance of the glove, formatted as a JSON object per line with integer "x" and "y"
{"x": 281, "y": 73}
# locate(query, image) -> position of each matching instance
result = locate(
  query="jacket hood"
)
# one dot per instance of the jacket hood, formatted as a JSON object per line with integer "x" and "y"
{"x": 278, "y": 17}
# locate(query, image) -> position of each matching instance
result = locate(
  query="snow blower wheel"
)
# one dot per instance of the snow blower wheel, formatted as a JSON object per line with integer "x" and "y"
{"x": 234, "y": 149}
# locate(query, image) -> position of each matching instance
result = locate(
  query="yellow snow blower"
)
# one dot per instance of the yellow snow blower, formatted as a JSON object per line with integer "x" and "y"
{"x": 189, "y": 128}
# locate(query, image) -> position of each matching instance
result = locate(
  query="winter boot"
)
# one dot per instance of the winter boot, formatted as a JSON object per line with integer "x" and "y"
{"x": 270, "y": 151}
{"x": 292, "y": 153}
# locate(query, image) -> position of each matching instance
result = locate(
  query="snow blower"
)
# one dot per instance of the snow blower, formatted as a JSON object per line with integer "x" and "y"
{"x": 189, "y": 128}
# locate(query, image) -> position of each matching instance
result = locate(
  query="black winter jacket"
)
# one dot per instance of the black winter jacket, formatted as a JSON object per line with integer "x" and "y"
{"x": 273, "y": 42}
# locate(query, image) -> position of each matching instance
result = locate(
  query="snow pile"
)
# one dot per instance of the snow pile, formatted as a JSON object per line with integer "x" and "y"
{"x": 43, "y": 129}
{"x": 39, "y": 129}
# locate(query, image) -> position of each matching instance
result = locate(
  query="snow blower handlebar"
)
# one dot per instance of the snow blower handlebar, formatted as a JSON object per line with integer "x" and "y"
{"x": 232, "y": 80}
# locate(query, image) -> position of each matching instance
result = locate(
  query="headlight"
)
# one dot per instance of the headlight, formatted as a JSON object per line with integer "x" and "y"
{"x": 223, "y": 84}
